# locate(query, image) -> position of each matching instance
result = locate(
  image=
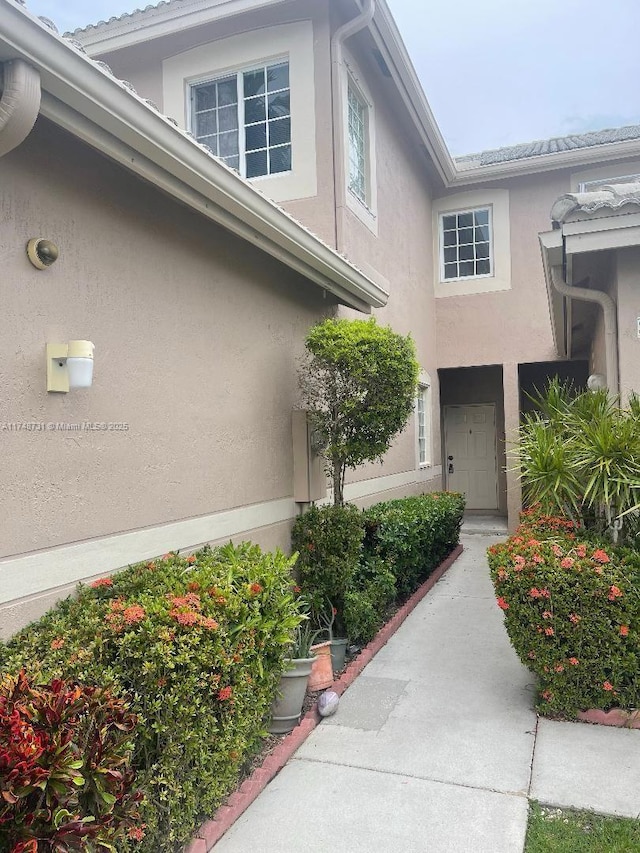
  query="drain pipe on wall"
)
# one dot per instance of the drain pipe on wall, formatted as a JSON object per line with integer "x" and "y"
{"x": 609, "y": 315}
{"x": 19, "y": 105}
{"x": 338, "y": 110}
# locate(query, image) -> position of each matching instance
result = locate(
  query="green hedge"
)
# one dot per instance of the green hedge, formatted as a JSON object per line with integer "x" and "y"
{"x": 572, "y": 613}
{"x": 362, "y": 562}
{"x": 328, "y": 541}
{"x": 197, "y": 646}
{"x": 413, "y": 535}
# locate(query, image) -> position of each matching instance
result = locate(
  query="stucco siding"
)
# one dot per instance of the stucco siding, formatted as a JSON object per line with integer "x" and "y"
{"x": 197, "y": 337}
{"x": 628, "y": 287}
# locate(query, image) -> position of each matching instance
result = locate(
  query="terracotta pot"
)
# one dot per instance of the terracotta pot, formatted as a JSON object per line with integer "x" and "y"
{"x": 321, "y": 671}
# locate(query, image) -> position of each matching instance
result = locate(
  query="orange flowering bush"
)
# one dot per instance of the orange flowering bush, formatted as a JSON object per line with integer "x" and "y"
{"x": 65, "y": 777}
{"x": 198, "y": 644}
{"x": 572, "y": 613}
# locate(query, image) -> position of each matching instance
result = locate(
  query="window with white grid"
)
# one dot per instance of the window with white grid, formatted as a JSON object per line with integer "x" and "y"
{"x": 357, "y": 122}
{"x": 466, "y": 244}
{"x": 245, "y": 118}
{"x": 423, "y": 416}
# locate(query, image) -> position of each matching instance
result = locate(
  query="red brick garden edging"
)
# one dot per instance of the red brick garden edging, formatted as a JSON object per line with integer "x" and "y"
{"x": 615, "y": 717}
{"x": 212, "y": 830}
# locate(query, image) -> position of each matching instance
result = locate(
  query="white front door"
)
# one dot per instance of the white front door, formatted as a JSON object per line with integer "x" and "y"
{"x": 470, "y": 454}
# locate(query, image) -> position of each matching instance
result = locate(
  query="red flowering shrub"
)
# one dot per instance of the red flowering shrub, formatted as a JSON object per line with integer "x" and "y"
{"x": 572, "y": 613}
{"x": 198, "y": 643}
{"x": 65, "y": 777}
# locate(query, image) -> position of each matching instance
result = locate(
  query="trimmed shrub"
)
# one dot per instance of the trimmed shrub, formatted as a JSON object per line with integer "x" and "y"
{"x": 372, "y": 591}
{"x": 65, "y": 779}
{"x": 413, "y": 535}
{"x": 572, "y": 613}
{"x": 198, "y": 644}
{"x": 328, "y": 541}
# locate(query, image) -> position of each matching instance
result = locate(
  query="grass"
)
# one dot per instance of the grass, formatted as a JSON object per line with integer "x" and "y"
{"x": 563, "y": 831}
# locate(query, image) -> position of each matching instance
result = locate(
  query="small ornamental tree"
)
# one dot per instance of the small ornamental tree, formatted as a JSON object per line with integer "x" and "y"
{"x": 359, "y": 382}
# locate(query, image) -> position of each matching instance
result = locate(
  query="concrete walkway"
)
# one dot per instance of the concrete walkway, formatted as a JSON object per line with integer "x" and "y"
{"x": 435, "y": 747}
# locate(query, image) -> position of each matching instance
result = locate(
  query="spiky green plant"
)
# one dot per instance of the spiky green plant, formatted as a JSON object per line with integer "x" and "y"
{"x": 580, "y": 455}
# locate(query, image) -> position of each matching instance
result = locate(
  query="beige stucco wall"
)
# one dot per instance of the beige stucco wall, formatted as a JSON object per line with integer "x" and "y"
{"x": 510, "y": 325}
{"x": 401, "y": 254}
{"x": 628, "y": 293}
{"x": 197, "y": 337}
{"x": 142, "y": 65}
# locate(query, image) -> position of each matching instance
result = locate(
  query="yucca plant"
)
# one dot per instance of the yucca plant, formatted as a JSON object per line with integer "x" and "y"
{"x": 580, "y": 456}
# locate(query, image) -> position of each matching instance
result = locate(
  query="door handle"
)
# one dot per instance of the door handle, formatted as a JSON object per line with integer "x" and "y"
{"x": 450, "y": 468}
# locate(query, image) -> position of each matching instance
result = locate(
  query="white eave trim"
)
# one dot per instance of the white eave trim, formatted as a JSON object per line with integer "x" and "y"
{"x": 94, "y": 106}
{"x": 547, "y": 162}
{"x": 146, "y": 25}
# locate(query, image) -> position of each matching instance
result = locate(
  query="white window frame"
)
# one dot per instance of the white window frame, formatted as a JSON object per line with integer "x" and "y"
{"x": 240, "y": 106}
{"x": 423, "y": 422}
{"x": 363, "y": 138}
{"x": 489, "y": 209}
{"x": 365, "y": 209}
{"x": 500, "y": 278}
{"x": 260, "y": 46}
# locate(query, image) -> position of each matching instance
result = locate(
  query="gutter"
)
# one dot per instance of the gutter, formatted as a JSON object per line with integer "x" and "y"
{"x": 609, "y": 315}
{"x": 19, "y": 105}
{"x": 94, "y": 106}
{"x": 350, "y": 28}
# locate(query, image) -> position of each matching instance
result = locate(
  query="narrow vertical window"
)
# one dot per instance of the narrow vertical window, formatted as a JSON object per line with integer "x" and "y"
{"x": 423, "y": 426}
{"x": 357, "y": 127}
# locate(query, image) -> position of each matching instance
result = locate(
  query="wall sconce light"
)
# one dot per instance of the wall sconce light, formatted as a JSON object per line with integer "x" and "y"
{"x": 69, "y": 366}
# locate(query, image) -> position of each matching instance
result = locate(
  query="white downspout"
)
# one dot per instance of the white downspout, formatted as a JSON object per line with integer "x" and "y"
{"x": 19, "y": 105}
{"x": 337, "y": 102}
{"x": 609, "y": 315}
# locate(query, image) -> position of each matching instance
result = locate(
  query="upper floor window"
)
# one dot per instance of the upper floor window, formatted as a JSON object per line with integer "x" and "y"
{"x": 466, "y": 244}
{"x": 358, "y": 146}
{"x": 245, "y": 118}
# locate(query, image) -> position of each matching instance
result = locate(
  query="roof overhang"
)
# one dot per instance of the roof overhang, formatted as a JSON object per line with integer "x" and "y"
{"x": 582, "y": 234}
{"x": 91, "y": 104}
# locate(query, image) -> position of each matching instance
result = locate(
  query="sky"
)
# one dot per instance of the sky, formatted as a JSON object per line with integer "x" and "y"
{"x": 496, "y": 72}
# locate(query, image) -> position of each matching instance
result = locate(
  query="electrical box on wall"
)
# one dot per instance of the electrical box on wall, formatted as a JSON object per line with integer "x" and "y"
{"x": 309, "y": 480}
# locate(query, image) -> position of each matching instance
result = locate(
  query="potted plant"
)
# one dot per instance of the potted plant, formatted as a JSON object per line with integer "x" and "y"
{"x": 326, "y": 620}
{"x": 287, "y": 707}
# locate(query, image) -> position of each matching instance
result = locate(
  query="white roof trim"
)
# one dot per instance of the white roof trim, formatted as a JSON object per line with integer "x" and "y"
{"x": 89, "y": 102}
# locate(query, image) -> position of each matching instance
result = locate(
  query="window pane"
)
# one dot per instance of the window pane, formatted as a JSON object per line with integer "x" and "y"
{"x": 205, "y": 97}
{"x": 278, "y": 77}
{"x": 233, "y": 163}
{"x": 465, "y": 235}
{"x": 450, "y": 270}
{"x": 465, "y": 220}
{"x": 280, "y": 159}
{"x": 466, "y": 253}
{"x": 481, "y": 233}
{"x": 206, "y": 124}
{"x": 450, "y": 255}
{"x": 256, "y": 164}
{"x": 483, "y": 267}
{"x": 227, "y": 118}
{"x": 280, "y": 131}
{"x": 467, "y": 268}
{"x": 449, "y": 223}
{"x": 227, "y": 92}
{"x": 254, "y": 110}
{"x": 228, "y": 143}
{"x": 481, "y": 217}
{"x": 482, "y": 250}
{"x": 450, "y": 238}
{"x": 254, "y": 82}
{"x": 256, "y": 136}
{"x": 279, "y": 105}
